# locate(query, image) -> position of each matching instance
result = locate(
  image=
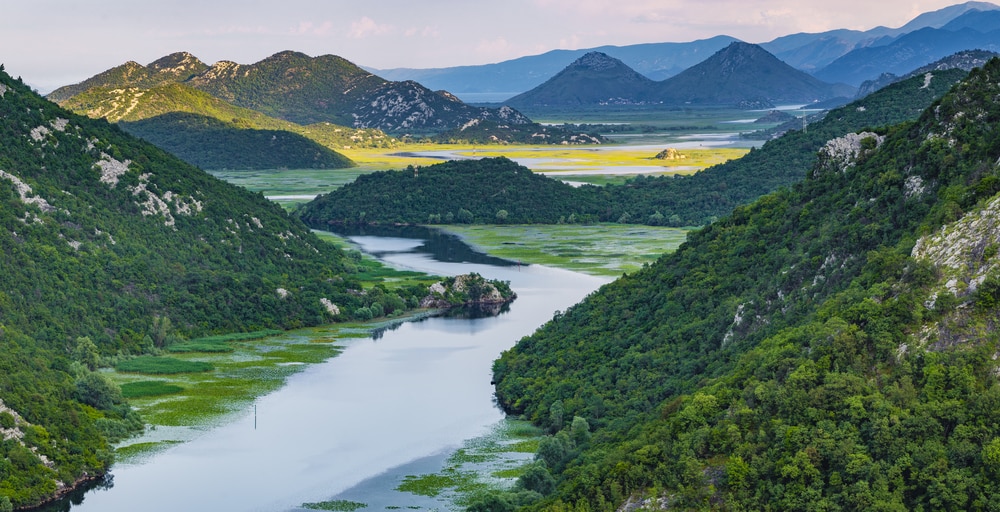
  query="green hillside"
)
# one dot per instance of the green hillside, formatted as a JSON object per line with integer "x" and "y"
{"x": 829, "y": 347}
{"x": 213, "y": 144}
{"x": 111, "y": 247}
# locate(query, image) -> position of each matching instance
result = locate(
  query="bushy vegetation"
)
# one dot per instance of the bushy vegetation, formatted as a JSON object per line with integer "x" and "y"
{"x": 787, "y": 357}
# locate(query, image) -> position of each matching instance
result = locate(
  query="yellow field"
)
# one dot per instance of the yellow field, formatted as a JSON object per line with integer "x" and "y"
{"x": 589, "y": 159}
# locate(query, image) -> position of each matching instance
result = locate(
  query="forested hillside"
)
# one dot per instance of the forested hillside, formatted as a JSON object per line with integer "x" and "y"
{"x": 111, "y": 247}
{"x": 210, "y": 143}
{"x": 490, "y": 190}
{"x": 831, "y": 346}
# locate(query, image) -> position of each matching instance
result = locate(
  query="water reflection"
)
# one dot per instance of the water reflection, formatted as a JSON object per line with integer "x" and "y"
{"x": 443, "y": 247}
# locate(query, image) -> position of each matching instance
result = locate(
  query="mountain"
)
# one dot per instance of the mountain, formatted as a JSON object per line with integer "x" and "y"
{"x": 594, "y": 79}
{"x": 829, "y": 346}
{"x": 745, "y": 75}
{"x": 111, "y": 247}
{"x": 658, "y": 61}
{"x": 654, "y": 60}
{"x": 305, "y": 90}
{"x": 740, "y": 75}
{"x": 965, "y": 60}
{"x": 176, "y": 67}
{"x": 973, "y": 30}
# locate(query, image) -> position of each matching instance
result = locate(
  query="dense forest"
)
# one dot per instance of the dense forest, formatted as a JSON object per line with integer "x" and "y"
{"x": 111, "y": 247}
{"x": 440, "y": 193}
{"x": 486, "y": 191}
{"x": 831, "y": 346}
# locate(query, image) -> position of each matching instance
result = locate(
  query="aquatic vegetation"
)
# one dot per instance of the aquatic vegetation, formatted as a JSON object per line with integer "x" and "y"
{"x": 161, "y": 366}
{"x": 149, "y": 388}
{"x": 335, "y": 505}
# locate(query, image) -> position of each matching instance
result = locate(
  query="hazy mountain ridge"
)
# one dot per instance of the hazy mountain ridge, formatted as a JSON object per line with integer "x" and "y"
{"x": 806, "y": 351}
{"x": 917, "y": 48}
{"x": 658, "y": 61}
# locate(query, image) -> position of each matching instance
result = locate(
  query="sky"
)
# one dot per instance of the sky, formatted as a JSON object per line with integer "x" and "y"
{"x": 50, "y": 43}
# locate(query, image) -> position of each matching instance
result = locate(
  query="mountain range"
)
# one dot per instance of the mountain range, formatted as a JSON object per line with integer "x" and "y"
{"x": 741, "y": 75}
{"x": 810, "y": 52}
{"x": 301, "y": 89}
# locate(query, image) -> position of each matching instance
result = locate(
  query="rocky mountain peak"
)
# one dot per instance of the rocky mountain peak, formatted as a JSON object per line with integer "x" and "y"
{"x": 597, "y": 61}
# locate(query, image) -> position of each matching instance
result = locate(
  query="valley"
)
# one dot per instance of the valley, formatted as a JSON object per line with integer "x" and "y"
{"x": 713, "y": 275}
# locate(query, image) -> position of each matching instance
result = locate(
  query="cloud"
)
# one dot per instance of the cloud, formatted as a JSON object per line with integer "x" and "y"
{"x": 427, "y": 31}
{"x": 310, "y": 28}
{"x": 366, "y": 27}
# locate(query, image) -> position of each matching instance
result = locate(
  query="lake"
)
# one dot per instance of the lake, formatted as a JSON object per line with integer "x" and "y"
{"x": 402, "y": 398}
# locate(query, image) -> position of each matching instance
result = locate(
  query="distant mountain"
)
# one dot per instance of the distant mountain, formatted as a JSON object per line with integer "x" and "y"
{"x": 972, "y": 30}
{"x": 654, "y": 60}
{"x": 658, "y": 61}
{"x": 304, "y": 90}
{"x": 745, "y": 75}
{"x": 595, "y": 78}
{"x": 742, "y": 75}
{"x": 964, "y": 60}
{"x": 811, "y": 52}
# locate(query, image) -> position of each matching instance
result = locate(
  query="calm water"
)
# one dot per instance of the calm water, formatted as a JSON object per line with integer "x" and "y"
{"x": 409, "y": 396}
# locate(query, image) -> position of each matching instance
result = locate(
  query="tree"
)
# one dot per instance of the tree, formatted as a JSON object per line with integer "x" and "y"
{"x": 86, "y": 353}
{"x": 95, "y": 390}
{"x": 502, "y": 216}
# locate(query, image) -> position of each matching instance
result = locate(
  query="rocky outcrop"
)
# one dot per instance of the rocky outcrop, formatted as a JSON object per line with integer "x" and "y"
{"x": 467, "y": 289}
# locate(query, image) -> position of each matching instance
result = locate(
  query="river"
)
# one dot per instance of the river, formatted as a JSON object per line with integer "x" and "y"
{"x": 412, "y": 394}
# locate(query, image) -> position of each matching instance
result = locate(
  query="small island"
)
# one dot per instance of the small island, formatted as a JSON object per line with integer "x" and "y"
{"x": 467, "y": 290}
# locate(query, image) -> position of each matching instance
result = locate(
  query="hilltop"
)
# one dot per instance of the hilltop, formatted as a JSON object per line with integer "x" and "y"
{"x": 746, "y": 75}
{"x": 829, "y": 346}
{"x": 593, "y": 79}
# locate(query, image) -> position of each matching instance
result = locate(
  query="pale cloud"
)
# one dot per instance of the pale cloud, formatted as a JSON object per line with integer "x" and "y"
{"x": 366, "y": 27}
{"x": 427, "y": 31}
{"x": 310, "y": 28}
{"x": 493, "y": 48}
